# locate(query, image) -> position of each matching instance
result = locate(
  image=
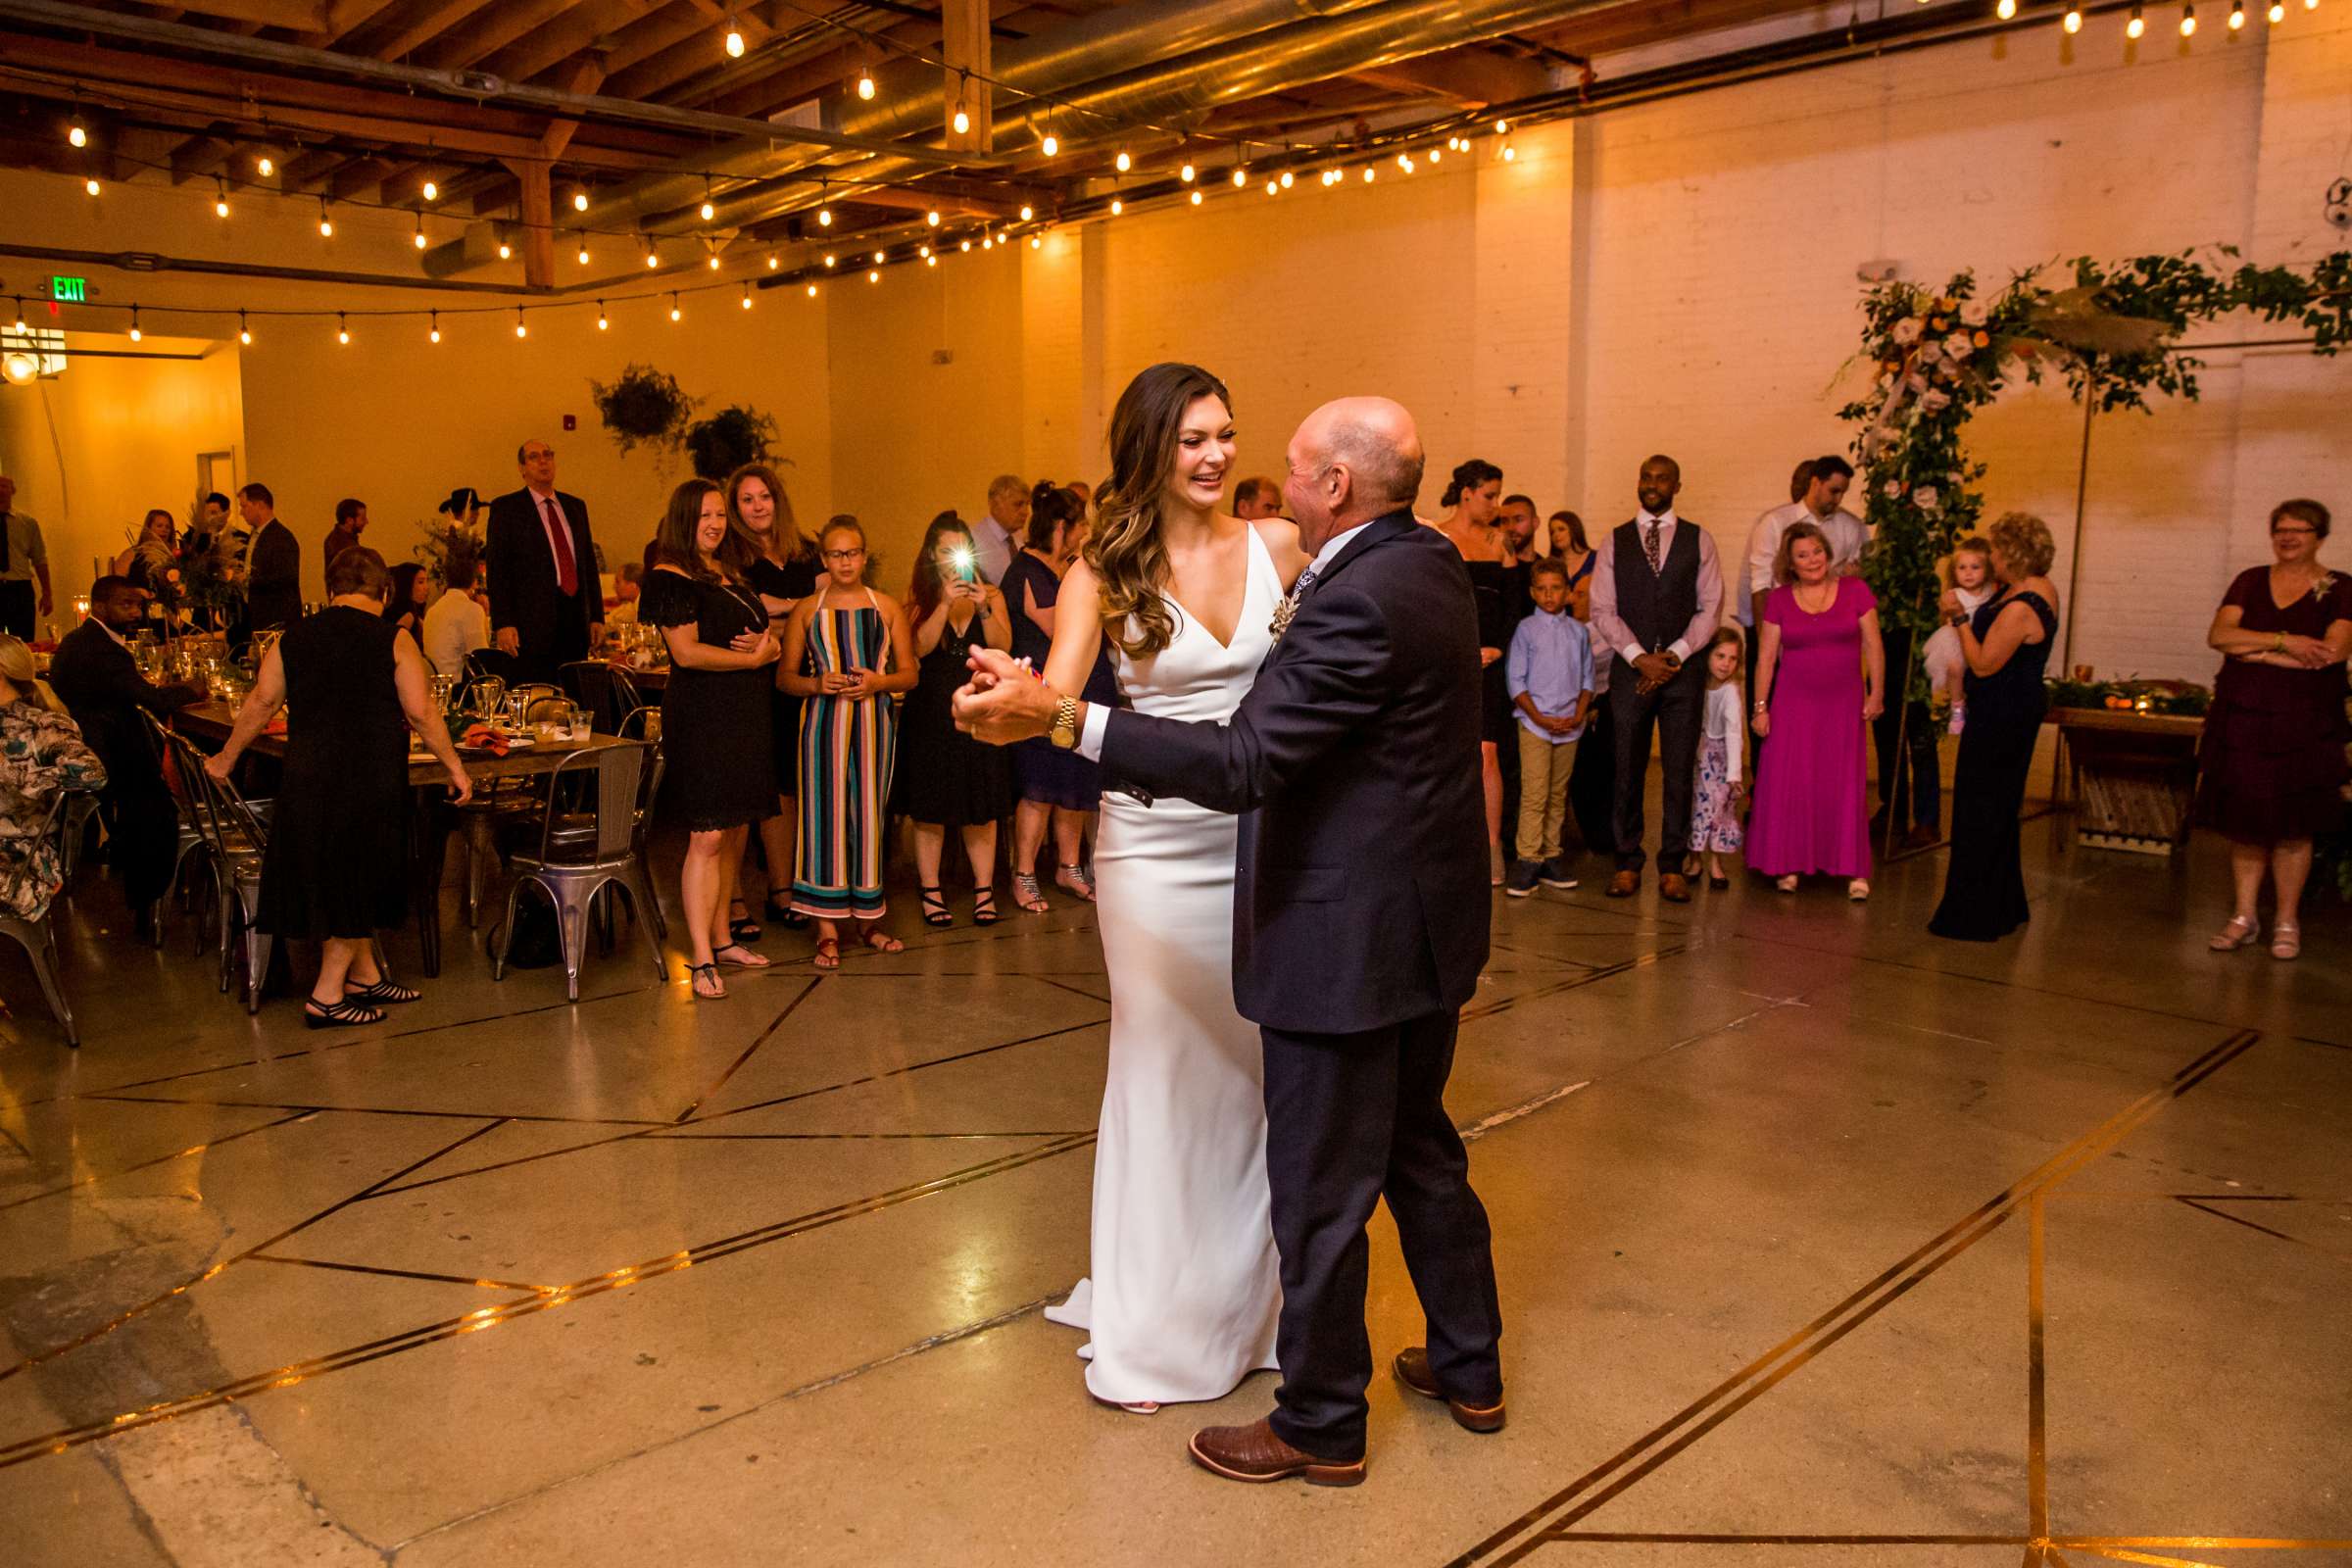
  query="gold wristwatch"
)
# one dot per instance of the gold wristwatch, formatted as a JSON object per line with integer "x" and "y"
{"x": 1065, "y": 733}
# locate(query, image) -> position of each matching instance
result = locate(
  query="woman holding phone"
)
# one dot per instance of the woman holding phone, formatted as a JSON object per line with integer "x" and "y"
{"x": 952, "y": 780}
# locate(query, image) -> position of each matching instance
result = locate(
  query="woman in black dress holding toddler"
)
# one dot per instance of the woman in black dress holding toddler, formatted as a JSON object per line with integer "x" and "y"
{"x": 717, "y": 714}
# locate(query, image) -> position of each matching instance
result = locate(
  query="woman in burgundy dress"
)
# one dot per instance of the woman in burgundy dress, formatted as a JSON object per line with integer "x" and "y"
{"x": 1821, "y": 637}
{"x": 2272, "y": 770}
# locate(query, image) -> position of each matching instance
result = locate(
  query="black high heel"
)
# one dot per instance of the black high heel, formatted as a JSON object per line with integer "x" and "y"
{"x": 934, "y": 907}
{"x": 984, "y": 906}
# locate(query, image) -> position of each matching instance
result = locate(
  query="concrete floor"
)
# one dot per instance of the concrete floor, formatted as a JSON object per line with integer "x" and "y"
{"x": 1821, "y": 1240}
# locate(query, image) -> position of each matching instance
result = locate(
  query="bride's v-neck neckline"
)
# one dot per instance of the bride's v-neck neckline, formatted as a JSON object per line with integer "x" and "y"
{"x": 1250, "y": 549}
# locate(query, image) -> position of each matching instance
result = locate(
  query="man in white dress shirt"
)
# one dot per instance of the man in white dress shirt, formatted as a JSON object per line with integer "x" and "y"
{"x": 1008, "y": 520}
{"x": 1657, "y": 594}
{"x": 1820, "y": 505}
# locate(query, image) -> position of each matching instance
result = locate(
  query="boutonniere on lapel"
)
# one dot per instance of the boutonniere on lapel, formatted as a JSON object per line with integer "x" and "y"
{"x": 1283, "y": 614}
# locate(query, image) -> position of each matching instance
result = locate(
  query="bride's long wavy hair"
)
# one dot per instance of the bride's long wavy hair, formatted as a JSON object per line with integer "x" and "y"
{"x": 1126, "y": 553}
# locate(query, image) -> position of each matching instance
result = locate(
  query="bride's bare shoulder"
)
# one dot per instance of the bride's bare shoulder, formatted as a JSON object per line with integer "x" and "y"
{"x": 1079, "y": 584}
{"x": 1280, "y": 536}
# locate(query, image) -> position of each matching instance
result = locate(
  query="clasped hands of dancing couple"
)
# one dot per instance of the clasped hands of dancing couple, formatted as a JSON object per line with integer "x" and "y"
{"x": 1282, "y": 1007}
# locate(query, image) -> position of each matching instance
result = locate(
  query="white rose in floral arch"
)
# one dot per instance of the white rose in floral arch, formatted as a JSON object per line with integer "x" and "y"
{"x": 1958, "y": 347}
{"x": 1934, "y": 402}
{"x": 1927, "y": 498}
{"x": 1908, "y": 330}
{"x": 1892, "y": 489}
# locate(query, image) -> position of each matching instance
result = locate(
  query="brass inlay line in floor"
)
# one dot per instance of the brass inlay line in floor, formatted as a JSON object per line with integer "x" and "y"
{"x": 1642, "y": 1537}
{"x": 1058, "y": 985}
{"x": 399, "y": 1273}
{"x": 153, "y": 1302}
{"x": 663, "y": 1129}
{"x": 489, "y": 1317}
{"x": 1561, "y": 1511}
{"x": 2122, "y": 1554}
{"x": 385, "y": 1111}
{"x": 1488, "y": 1010}
{"x": 160, "y": 1160}
{"x": 2237, "y": 1219}
{"x": 807, "y": 990}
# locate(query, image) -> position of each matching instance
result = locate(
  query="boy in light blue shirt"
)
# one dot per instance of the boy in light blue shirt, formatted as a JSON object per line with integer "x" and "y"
{"x": 1549, "y": 671}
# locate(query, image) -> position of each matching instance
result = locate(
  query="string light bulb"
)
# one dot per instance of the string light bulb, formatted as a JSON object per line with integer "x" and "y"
{"x": 866, "y": 84}
{"x": 967, "y": 245}
{"x": 579, "y": 201}
{"x": 714, "y": 260}
{"x": 1437, "y": 154}
{"x": 1117, "y": 206}
{"x": 1240, "y": 176}
{"x": 707, "y": 210}
{"x": 135, "y": 333}
{"x": 1273, "y": 187}
{"x": 75, "y": 134}
{"x": 813, "y": 291}
{"x": 1502, "y": 128}
{"x": 2311, "y": 5}
{"x": 343, "y": 330}
{"x": 734, "y": 41}
{"x": 419, "y": 235}
{"x": 244, "y": 332}
{"x": 747, "y": 296}
{"x": 874, "y": 276}
{"x": 824, "y": 217}
{"x": 772, "y": 262}
{"x": 326, "y": 225}
{"x": 430, "y": 191}
{"x": 2006, "y": 9}
{"x": 1123, "y": 163}
{"x": 930, "y": 260}
{"x": 1509, "y": 152}
{"x": 2136, "y": 26}
{"x": 262, "y": 165}
{"x": 877, "y": 258}
{"x": 604, "y": 322}
{"x": 829, "y": 259}
{"x": 433, "y": 335}
{"x": 932, "y": 217}
{"x": 220, "y": 198}
{"x": 584, "y": 252}
{"x": 675, "y": 312}
{"x": 2188, "y": 20}
{"x": 520, "y": 330}
{"x": 1196, "y": 198}
{"x": 505, "y": 252}
{"x": 1186, "y": 174}
{"x": 2074, "y": 18}
{"x": 1370, "y": 173}
{"x": 90, "y": 185}
{"x": 20, "y": 327}
{"x": 1037, "y": 242}
{"x": 1048, "y": 144}
{"x": 963, "y": 121}
{"x": 1286, "y": 180}
{"x": 2277, "y": 12}
{"x": 651, "y": 260}
{"x": 1027, "y": 211}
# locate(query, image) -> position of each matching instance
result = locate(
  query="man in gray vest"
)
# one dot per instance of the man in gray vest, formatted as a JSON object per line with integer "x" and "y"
{"x": 1657, "y": 594}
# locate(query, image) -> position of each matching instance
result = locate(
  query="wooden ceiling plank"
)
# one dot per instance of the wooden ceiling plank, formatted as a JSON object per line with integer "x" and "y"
{"x": 199, "y": 158}
{"x": 428, "y": 24}
{"x": 651, "y": 35}
{"x": 576, "y": 29}
{"x": 354, "y": 178}
{"x": 343, "y": 18}
{"x": 301, "y": 16}
{"x": 487, "y": 31}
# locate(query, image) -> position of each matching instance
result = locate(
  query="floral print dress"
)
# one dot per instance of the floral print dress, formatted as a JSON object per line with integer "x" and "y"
{"x": 41, "y": 753}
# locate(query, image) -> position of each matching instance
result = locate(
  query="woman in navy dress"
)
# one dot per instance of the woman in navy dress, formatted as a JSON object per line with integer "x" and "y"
{"x": 2006, "y": 643}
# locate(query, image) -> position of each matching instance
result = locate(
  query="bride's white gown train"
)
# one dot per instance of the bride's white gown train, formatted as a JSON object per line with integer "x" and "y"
{"x": 1186, "y": 1289}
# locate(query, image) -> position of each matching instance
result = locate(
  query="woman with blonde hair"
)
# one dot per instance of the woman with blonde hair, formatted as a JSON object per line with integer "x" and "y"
{"x": 780, "y": 565}
{"x": 1182, "y": 1298}
{"x": 2006, "y": 642}
{"x": 41, "y": 754}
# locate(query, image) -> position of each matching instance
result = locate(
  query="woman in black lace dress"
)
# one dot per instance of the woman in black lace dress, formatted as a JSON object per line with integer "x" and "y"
{"x": 1474, "y": 495}
{"x": 946, "y": 778}
{"x": 780, "y": 564}
{"x": 2006, "y": 643}
{"x": 715, "y": 715}
{"x": 335, "y": 869}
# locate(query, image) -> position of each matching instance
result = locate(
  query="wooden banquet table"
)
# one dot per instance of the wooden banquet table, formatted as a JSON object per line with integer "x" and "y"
{"x": 2135, "y": 776}
{"x": 428, "y": 782}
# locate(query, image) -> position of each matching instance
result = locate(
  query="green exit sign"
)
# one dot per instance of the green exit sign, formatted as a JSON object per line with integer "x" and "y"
{"x": 69, "y": 290}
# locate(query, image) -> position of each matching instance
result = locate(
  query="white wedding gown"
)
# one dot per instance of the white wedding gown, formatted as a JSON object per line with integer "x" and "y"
{"x": 1185, "y": 1289}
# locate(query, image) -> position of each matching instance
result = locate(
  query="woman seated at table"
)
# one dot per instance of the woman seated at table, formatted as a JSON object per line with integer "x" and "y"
{"x": 41, "y": 753}
{"x": 406, "y": 597}
{"x": 715, "y": 716}
{"x": 152, "y": 554}
{"x": 335, "y": 867}
{"x": 2271, "y": 773}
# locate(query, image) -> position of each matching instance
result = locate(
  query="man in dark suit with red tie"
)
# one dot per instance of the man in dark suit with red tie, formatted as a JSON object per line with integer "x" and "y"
{"x": 546, "y": 604}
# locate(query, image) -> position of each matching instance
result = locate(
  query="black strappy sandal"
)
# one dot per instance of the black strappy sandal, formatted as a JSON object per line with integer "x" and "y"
{"x": 380, "y": 993}
{"x": 934, "y": 907}
{"x": 344, "y": 1015}
{"x": 785, "y": 915}
{"x": 984, "y": 906}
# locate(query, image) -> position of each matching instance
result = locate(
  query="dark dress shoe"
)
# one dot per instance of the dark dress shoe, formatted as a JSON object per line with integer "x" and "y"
{"x": 1623, "y": 884}
{"x": 1412, "y": 1370}
{"x": 1255, "y": 1453}
{"x": 1675, "y": 887}
{"x": 1719, "y": 883}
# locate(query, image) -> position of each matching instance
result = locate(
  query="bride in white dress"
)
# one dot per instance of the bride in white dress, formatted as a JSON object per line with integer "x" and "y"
{"x": 1185, "y": 1286}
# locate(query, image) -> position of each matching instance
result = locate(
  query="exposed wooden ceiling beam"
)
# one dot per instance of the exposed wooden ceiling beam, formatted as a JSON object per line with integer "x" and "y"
{"x": 198, "y": 158}
{"x": 299, "y": 16}
{"x": 357, "y": 176}
{"x": 427, "y": 25}
{"x": 576, "y": 29}
{"x": 581, "y": 75}
{"x": 487, "y": 31}
{"x": 343, "y": 18}
{"x": 1470, "y": 77}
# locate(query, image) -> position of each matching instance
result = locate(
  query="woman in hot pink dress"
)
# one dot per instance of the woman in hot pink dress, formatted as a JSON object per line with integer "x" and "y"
{"x": 1820, "y": 637}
